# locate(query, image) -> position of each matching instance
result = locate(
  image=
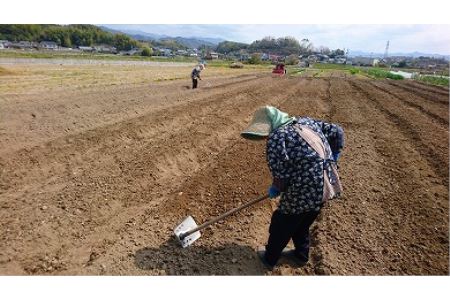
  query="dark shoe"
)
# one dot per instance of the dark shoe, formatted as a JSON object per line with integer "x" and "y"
{"x": 262, "y": 257}
{"x": 290, "y": 254}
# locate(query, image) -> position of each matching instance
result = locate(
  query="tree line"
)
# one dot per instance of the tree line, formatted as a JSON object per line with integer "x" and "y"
{"x": 66, "y": 35}
{"x": 89, "y": 35}
{"x": 279, "y": 46}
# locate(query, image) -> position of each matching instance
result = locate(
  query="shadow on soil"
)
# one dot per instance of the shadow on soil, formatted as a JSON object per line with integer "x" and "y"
{"x": 171, "y": 259}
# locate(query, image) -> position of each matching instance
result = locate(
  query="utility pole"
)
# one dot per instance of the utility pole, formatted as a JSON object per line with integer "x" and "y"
{"x": 386, "y": 52}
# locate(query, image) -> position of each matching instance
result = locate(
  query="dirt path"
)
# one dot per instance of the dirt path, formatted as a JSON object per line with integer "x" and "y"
{"x": 104, "y": 197}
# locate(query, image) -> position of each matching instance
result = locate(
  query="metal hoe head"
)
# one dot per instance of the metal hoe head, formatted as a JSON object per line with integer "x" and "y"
{"x": 185, "y": 226}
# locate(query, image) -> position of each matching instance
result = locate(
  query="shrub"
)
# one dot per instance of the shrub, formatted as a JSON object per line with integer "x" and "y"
{"x": 292, "y": 59}
{"x": 435, "y": 80}
{"x": 147, "y": 52}
{"x": 237, "y": 65}
{"x": 255, "y": 59}
{"x": 379, "y": 73}
{"x": 395, "y": 76}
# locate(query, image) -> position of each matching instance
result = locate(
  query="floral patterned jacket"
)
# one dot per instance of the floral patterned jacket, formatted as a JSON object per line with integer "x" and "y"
{"x": 296, "y": 168}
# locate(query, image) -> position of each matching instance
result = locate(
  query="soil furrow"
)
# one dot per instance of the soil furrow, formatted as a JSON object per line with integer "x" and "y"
{"x": 438, "y": 162}
{"x": 433, "y": 116}
{"x": 427, "y": 88}
{"x": 425, "y": 95}
{"x": 102, "y": 196}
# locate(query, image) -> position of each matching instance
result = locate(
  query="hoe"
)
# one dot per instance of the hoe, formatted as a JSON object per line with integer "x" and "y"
{"x": 188, "y": 231}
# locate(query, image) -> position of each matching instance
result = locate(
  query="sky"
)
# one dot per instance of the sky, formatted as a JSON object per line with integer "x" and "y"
{"x": 433, "y": 39}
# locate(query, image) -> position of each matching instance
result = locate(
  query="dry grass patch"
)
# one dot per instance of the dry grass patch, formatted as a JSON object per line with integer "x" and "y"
{"x": 4, "y": 71}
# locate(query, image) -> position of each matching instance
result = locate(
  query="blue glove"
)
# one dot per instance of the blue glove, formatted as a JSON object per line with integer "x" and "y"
{"x": 273, "y": 192}
{"x": 336, "y": 156}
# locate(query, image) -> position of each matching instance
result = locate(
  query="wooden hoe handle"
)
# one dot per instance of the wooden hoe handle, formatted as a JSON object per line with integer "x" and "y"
{"x": 223, "y": 216}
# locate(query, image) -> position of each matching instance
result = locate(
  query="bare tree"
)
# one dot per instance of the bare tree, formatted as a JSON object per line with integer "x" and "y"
{"x": 306, "y": 47}
{"x": 324, "y": 50}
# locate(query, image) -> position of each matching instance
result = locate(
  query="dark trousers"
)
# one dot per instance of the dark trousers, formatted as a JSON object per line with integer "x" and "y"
{"x": 285, "y": 227}
{"x": 194, "y": 83}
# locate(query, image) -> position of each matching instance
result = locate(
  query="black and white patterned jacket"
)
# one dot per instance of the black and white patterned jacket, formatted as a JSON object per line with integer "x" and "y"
{"x": 294, "y": 163}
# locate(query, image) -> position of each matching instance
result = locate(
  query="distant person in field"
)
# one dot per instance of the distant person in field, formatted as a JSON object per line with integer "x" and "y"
{"x": 195, "y": 75}
{"x": 301, "y": 153}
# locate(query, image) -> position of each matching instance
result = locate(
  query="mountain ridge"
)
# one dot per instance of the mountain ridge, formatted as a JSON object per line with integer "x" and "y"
{"x": 408, "y": 54}
{"x": 190, "y": 42}
{"x": 195, "y": 42}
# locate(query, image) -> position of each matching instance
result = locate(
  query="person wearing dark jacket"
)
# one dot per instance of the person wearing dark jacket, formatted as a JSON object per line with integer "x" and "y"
{"x": 298, "y": 177}
{"x": 195, "y": 75}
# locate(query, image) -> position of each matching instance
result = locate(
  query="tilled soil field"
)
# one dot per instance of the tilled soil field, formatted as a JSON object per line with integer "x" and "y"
{"x": 93, "y": 181}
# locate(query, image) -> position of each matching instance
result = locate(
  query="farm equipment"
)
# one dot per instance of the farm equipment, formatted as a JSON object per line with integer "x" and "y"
{"x": 188, "y": 231}
{"x": 279, "y": 70}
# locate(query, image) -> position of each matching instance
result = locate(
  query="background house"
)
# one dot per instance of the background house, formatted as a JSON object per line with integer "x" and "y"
{"x": 130, "y": 52}
{"x": 86, "y": 48}
{"x": 4, "y": 44}
{"x": 182, "y": 52}
{"x": 23, "y": 45}
{"x": 48, "y": 45}
{"x": 105, "y": 49}
{"x": 364, "y": 61}
{"x": 212, "y": 55}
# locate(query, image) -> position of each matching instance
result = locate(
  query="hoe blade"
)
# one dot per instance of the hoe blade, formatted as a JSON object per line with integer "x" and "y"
{"x": 185, "y": 226}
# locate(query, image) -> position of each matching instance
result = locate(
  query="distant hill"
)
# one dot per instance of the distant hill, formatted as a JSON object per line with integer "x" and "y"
{"x": 189, "y": 42}
{"x": 214, "y": 41}
{"x": 194, "y": 42}
{"x": 139, "y": 35}
{"x": 408, "y": 54}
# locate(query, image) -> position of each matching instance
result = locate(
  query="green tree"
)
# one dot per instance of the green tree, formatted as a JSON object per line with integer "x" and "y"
{"x": 228, "y": 46}
{"x": 255, "y": 59}
{"x": 65, "y": 35}
{"x": 147, "y": 52}
{"x": 282, "y": 46}
{"x": 292, "y": 59}
{"x": 324, "y": 50}
{"x": 20, "y": 32}
{"x": 337, "y": 52}
{"x": 170, "y": 44}
{"x": 124, "y": 42}
{"x": 402, "y": 64}
{"x": 288, "y": 45}
{"x": 66, "y": 41}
